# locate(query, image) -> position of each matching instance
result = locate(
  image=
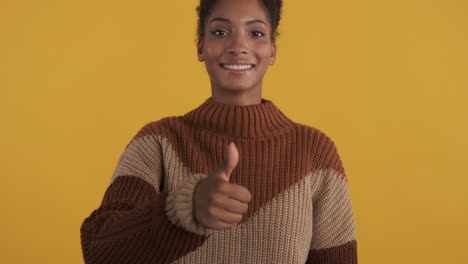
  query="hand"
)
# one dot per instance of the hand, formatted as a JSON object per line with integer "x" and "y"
{"x": 219, "y": 204}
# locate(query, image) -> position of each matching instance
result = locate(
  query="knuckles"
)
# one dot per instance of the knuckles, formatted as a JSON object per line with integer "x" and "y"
{"x": 245, "y": 207}
{"x": 249, "y": 197}
{"x": 211, "y": 210}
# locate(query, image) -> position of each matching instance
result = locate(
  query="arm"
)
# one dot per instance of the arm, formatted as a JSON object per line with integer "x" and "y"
{"x": 136, "y": 223}
{"x": 334, "y": 236}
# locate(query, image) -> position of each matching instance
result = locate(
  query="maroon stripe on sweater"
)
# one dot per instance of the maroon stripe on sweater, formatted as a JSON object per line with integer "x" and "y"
{"x": 344, "y": 254}
{"x": 132, "y": 211}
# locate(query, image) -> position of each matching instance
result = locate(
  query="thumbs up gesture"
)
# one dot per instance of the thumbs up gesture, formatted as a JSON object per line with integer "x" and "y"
{"x": 219, "y": 204}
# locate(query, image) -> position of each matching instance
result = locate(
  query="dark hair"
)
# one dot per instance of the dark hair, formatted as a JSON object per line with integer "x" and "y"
{"x": 273, "y": 8}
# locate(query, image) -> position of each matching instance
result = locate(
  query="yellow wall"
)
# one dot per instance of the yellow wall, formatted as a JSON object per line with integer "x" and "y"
{"x": 386, "y": 80}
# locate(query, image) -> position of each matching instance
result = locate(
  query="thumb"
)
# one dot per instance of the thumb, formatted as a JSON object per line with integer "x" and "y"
{"x": 230, "y": 161}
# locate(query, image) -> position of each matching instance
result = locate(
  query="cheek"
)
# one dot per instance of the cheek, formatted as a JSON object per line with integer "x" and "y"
{"x": 213, "y": 52}
{"x": 209, "y": 52}
{"x": 263, "y": 52}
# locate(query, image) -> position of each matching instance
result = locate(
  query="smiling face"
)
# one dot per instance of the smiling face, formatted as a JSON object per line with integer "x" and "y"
{"x": 237, "y": 48}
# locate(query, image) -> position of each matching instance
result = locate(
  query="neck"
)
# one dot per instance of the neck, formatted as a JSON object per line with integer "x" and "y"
{"x": 235, "y": 97}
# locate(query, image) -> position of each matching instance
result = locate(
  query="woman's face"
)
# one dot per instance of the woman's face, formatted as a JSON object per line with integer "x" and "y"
{"x": 237, "y": 48}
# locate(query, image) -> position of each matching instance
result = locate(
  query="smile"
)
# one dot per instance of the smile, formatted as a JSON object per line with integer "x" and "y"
{"x": 237, "y": 68}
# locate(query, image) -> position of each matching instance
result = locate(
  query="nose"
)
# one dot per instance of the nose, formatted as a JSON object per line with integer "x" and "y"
{"x": 237, "y": 44}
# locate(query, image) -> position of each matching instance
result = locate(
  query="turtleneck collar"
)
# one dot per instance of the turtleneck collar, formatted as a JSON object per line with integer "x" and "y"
{"x": 241, "y": 121}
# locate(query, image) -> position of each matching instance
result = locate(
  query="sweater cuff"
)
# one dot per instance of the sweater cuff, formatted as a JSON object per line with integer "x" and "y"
{"x": 179, "y": 206}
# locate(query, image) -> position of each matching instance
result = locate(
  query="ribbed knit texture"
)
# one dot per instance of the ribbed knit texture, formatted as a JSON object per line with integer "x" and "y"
{"x": 300, "y": 211}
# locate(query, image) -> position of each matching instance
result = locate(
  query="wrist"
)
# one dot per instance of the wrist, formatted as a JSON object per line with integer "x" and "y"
{"x": 180, "y": 205}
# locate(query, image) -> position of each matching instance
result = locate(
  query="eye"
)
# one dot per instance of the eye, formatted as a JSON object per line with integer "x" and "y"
{"x": 258, "y": 34}
{"x": 219, "y": 33}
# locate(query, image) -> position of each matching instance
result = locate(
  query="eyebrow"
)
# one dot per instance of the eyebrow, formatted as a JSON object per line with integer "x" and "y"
{"x": 225, "y": 20}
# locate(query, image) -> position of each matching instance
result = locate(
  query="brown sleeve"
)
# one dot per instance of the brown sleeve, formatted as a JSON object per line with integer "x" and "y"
{"x": 131, "y": 226}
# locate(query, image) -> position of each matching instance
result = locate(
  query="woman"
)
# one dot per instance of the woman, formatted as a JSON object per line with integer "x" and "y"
{"x": 232, "y": 181}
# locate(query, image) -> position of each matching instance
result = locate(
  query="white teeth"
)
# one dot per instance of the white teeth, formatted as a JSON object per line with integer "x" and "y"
{"x": 237, "y": 67}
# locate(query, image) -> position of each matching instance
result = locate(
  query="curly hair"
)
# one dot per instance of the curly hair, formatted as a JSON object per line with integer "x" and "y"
{"x": 273, "y": 8}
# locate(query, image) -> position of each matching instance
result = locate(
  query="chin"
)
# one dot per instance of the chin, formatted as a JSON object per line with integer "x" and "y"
{"x": 237, "y": 87}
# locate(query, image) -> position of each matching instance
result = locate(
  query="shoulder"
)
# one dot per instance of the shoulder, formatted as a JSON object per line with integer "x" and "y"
{"x": 322, "y": 148}
{"x": 159, "y": 127}
{"x": 156, "y": 130}
{"x": 315, "y": 133}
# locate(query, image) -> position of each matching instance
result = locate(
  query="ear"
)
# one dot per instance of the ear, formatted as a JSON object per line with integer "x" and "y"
{"x": 273, "y": 53}
{"x": 201, "y": 56}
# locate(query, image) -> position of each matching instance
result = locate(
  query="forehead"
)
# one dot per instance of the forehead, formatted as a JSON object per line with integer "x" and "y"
{"x": 239, "y": 10}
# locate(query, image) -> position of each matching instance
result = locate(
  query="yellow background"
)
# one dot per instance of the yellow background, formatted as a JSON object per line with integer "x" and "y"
{"x": 386, "y": 80}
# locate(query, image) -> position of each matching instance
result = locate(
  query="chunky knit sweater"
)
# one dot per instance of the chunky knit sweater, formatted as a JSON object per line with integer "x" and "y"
{"x": 300, "y": 211}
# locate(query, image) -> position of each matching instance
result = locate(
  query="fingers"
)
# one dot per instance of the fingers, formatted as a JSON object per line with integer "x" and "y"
{"x": 235, "y": 191}
{"x": 229, "y": 204}
{"x": 235, "y": 206}
{"x": 224, "y": 215}
{"x": 224, "y": 202}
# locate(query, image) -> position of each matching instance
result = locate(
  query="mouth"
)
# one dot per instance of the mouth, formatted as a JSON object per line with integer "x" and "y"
{"x": 237, "y": 68}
